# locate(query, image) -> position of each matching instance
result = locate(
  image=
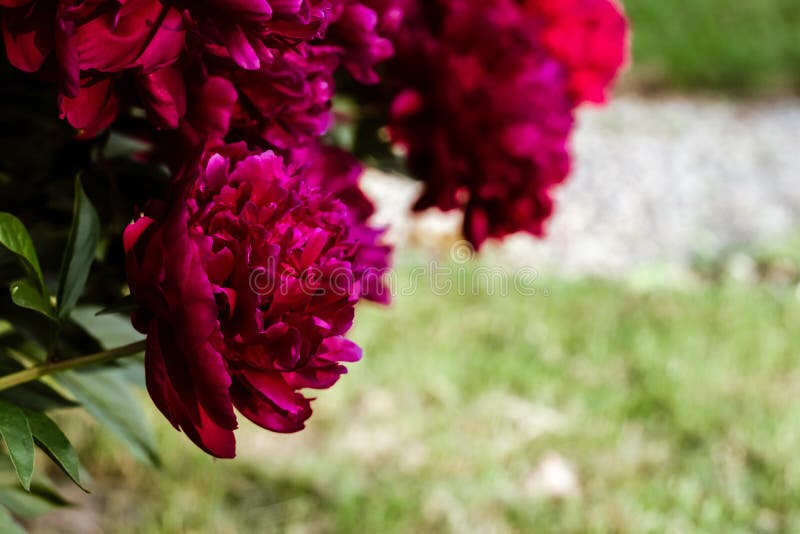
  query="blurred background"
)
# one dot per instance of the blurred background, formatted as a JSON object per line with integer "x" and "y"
{"x": 649, "y": 381}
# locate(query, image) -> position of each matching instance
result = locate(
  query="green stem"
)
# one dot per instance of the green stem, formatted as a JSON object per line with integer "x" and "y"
{"x": 38, "y": 371}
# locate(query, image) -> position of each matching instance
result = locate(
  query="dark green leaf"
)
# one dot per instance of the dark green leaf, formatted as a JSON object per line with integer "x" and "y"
{"x": 26, "y": 295}
{"x": 108, "y": 398}
{"x": 8, "y": 524}
{"x": 55, "y": 444}
{"x": 15, "y": 237}
{"x": 80, "y": 251}
{"x": 18, "y": 438}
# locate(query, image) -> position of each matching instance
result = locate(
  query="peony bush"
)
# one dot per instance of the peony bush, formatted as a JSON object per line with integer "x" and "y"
{"x": 195, "y": 166}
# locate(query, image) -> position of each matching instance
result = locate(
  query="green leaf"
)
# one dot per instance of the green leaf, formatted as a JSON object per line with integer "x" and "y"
{"x": 53, "y": 441}
{"x": 80, "y": 251}
{"x": 15, "y": 237}
{"x": 25, "y": 295}
{"x": 109, "y": 399}
{"x": 8, "y": 524}
{"x": 17, "y": 434}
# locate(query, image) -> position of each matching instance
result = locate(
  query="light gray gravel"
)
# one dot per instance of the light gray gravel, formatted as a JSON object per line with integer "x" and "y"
{"x": 655, "y": 182}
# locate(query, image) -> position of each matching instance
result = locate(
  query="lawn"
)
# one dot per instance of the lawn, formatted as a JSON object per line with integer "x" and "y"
{"x": 734, "y": 46}
{"x": 651, "y": 410}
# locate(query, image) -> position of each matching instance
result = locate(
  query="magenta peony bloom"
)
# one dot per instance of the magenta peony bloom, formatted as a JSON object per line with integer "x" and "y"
{"x": 286, "y": 103}
{"x": 246, "y": 283}
{"x": 485, "y": 99}
{"x": 251, "y": 31}
{"x": 356, "y": 32}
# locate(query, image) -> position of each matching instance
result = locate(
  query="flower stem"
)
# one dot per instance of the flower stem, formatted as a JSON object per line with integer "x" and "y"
{"x": 38, "y": 371}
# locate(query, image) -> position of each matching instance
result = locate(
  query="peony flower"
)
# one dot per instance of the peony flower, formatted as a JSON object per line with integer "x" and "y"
{"x": 110, "y": 55}
{"x": 246, "y": 282}
{"x": 100, "y": 48}
{"x": 286, "y": 103}
{"x": 485, "y": 98}
{"x": 281, "y": 58}
{"x": 250, "y": 31}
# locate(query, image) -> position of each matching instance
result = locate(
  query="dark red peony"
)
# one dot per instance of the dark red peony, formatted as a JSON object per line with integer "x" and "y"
{"x": 102, "y": 52}
{"x": 246, "y": 283}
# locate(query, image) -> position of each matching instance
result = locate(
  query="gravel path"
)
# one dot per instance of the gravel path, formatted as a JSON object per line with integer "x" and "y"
{"x": 656, "y": 181}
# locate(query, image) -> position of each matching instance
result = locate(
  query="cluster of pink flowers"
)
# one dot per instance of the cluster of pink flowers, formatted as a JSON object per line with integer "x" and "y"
{"x": 485, "y": 100}
{"x": 247, "y": 272}
{"x": 263, "y": 67}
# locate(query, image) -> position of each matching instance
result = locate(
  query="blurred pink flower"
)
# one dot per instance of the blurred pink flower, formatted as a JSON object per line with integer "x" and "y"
{"x": 485, "y": 97}
{"x": 589, "y": 37}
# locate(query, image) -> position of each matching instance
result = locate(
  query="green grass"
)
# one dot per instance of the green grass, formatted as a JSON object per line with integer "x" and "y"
{"x": 679, "y": 411}
{"x": 735, "y": 46}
